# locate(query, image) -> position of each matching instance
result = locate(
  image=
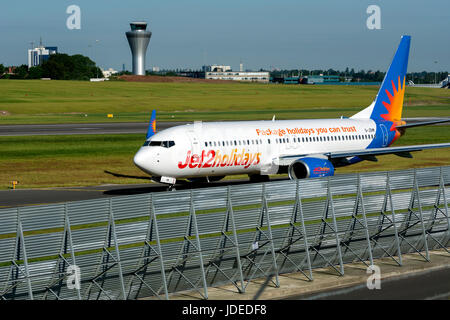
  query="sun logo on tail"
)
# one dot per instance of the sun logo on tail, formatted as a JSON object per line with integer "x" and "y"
{"x": 154, "y": 125}
{"x": 395, "y": 105}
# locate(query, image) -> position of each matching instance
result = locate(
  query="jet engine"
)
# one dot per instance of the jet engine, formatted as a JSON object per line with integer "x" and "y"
{"x": 309, "y": 167}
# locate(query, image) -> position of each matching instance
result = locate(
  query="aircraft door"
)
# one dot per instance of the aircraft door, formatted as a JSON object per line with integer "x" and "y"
{"x": 194, "y": 135}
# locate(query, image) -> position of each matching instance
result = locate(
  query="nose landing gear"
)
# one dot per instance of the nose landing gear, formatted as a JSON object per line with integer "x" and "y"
{"x": 170, "y": 181}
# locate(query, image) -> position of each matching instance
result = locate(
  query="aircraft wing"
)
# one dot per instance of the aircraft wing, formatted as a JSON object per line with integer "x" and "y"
{"x": 368, "y": 154}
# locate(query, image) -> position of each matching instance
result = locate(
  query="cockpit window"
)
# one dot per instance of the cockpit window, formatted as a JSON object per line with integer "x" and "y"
{"x": 165, "y": 144}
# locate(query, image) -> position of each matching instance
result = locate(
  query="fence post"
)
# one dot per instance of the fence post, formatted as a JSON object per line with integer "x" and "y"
{"x": 445, "y": 205}
{"x": 235, "y": 238}
{"x": 158, "y": 243}
{"x": 269, "y": 229}
{"x": 366, "y": 226}
{"x": 69, "y": 234}
{"x": 202, "y": 267}
{"x": 416, "y": 187}
{"x": 24, "y": 251}
{"x": 298, "y": 200}
{"x": 338, "y": 243}
{"x": 394, "y": 222}
{"x": 116, "y": 248}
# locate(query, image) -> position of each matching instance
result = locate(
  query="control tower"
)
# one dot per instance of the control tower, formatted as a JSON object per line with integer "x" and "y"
{"x": 138, "y": 38}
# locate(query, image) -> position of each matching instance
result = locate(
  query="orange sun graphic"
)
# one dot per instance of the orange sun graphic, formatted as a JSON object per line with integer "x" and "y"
{"x": 395, "y": 105}
{"x": 154, "y": 125}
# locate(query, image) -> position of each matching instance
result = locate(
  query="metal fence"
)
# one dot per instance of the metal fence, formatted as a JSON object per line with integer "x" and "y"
{"x": 159, "y": 243}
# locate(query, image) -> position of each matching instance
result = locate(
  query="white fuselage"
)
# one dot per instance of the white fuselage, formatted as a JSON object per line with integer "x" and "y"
{"x": 206, "y": 149}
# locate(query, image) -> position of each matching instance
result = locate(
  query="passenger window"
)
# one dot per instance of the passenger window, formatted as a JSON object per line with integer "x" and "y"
{"x": 268, "y": 141}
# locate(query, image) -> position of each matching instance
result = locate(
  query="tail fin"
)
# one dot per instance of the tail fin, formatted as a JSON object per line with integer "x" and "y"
{"x": 388, "y": 103}
{"x": 152, "y": 125}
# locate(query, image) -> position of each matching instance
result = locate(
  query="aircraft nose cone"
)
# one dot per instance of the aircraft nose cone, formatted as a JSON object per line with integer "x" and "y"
{"x": 140, "y": 159}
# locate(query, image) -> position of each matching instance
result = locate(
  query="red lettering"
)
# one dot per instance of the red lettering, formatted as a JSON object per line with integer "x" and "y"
{"x": 184, "y": 165}
{"x": 211, "y": 154}
{"x": 194, "y": 161}
{"x": 224, "y": 161}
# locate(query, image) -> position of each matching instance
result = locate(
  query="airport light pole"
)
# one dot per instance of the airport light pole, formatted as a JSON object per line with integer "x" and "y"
{"x": 435, "y": 73}
{"x": 92, "y": 47}
{"x": 96, "y": 69}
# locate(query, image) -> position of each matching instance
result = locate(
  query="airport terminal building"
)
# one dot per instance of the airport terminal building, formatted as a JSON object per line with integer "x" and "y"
{"x": 248, "y": 76}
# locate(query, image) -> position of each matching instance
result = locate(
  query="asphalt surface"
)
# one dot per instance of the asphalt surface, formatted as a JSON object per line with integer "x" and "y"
{"x": 81, "y": 128}
{"x": 107, "y": 128}
{"x": 426, "y": 285}
{"x": 42, "y": 196}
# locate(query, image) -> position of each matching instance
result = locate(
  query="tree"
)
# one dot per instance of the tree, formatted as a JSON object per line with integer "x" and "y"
{"x": 35, "y": 72}
{"x": 2, "y": 69}
{"x": 20, "y": 72}
{"x": 53, "y": 69}
{"x": 65, "y": 67}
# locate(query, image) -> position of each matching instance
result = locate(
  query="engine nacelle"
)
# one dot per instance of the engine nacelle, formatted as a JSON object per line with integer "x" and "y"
{"x": 310, "y": 168}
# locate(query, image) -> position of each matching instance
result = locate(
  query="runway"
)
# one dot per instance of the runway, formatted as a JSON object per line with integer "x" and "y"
{"x": 108, "y": 128}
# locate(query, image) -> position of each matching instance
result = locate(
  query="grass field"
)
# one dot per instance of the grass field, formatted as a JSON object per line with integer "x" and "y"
{"x": 35, "y": 101}
{"x": 54, "y": 161}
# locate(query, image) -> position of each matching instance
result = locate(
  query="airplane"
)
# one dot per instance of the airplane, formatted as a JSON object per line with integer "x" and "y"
{"x": 209, "y": 151}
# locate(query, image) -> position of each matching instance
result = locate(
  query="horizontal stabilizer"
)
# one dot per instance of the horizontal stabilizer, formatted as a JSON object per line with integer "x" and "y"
{"x": 425, "y": 123}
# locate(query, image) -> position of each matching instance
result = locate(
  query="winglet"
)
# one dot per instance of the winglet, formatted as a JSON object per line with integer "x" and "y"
{"x": 152, "y": 125}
